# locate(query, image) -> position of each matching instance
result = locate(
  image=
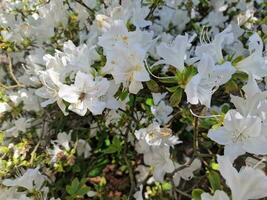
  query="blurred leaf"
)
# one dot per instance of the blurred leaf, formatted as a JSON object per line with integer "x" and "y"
{"x": 73, "y": 188}
{"x": 215, "y": 180}
{"x": 176, "y": 97}
{"x": 153, "y": 86}
{"x": 149, "y": 101}
{"x": 196, "y": 194}
{"x": 114, "y": 147}
{"x": 172, "y": 89}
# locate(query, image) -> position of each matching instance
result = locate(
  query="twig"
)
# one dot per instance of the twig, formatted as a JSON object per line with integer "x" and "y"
{"x": 10, "y": 69}
{"x": 183, "y": 193}
{"x": 174, "y": 194}
{"x": 182, "y": 167}
{"x": 152, "y": 9}
{"x": 84, "y": 5}
{"x": 33, "y": 152}
{"x": 195, "y": 136}
{"x": 12, "y": 75}
{"x": 129, "y": 166}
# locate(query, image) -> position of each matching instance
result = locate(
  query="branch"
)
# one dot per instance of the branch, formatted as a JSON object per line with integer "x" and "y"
{"x": 12, "y": 75}
{"x": 87, "y": 7}
{"x": 128, "y": 163}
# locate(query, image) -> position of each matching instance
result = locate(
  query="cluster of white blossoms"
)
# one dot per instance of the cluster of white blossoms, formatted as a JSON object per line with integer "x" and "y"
{"x": 162, "y": 91}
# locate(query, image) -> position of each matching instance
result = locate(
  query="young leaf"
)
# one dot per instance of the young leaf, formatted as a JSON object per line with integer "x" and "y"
{"x": 215, "y": 180}
{"x": 176, "y": 97}
{"x": 196, "y": 194}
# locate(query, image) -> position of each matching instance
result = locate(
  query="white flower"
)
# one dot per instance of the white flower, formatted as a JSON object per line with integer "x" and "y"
{"x": 12, "y": 194}
{"x": 186, "y": 173}
{"x": 61, "y": 144}
{"x": 248, "y": 183}
{"x": 64, "y": 140}
{"x": 85, "y": 94}
{"x": 126, "y": 52}
{"x": 127, "y": 67}
{"x": 79, "y": 58}
{"x": 254, "y": 102}
{"x": 210, "y": 76}
{"x": 138, "y": 195}
{"x": 161, "y": 111}
{"x": 240, "y": 134}
{"x": 118, "y": 35}
{"x": 174, "y": 53}
{"x": 214, "y": 48}
{"x": 218, "y": 195}
{"x": 159, "y": 158}
{"x": 255, "y": 59}
{"x": 31, "y": 179}
{"x": 28, "y": 97}
{"x": 155, "y": 136}
{"x": 50, "y": 88}
{"x": 143, "y": 173}
{"x": 18, "y": 126}
{"x": 4, "y": 107}
{"x": 83, "y": 148}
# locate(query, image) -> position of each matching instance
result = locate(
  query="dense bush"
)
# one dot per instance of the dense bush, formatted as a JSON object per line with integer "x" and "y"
{"x": 133, "y": 99}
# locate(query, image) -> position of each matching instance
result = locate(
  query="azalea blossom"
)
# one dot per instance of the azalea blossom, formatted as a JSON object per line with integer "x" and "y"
{"x": 85, "y": 94}
{"x": 174, "y": 54}
{"x": 248, "y": 183}
{"x": 210, "y": 76}
{"x": 255, "y": 59}
{"x": 31, "y": 179}
{"x": 155, "y": 136}
{"x": 161, "y": 110}
{"x": 240, "y": 134}
{"x": 186, "y": 173}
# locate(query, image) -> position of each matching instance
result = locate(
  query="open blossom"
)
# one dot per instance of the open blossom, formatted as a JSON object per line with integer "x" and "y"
{"x": 210, "y": 76}
{"x": 85, "y": 94}
{"x": 240, "y": 134}
{"x": 248, "y": 183}
{"x": 155, "y": 136}
{"x": 127, "y": 67}
{"x": 31, "y": 179}
{"x": 126, "y": 52}
{"x": 187, "y": 172}
{"x": 174, "y": 53}
{"x": 255, "y": 59}
{"x": 160, "y": 110}
{"x": 16, "y": 127}
{"x": 154, "y": 142}
{"x": 13, "y": 194}
{"x": 4, "y": 107}
{"x": 215, "y": 47}
{"x": 254, "y": 101}
{"x": 50, "y": 89}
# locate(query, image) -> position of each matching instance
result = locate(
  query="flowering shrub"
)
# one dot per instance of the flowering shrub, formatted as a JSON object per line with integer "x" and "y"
{"x": 133, "y": 99}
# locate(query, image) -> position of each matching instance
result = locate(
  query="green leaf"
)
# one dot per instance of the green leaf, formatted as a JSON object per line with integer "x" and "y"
{"x": 116, "y": 146}
{"x": 196, "y": 194}
{"x": 149, "y": 102}
{"x": 185, "y": 76}
{"x": 176, "y": 97}
{"x": 215, "y": 180}
{"x": 82, "y": 191}
{"x": 172, "y": 89}
{"x": 153, "y": 86}
{"x": 72, "y": 189}
{"x": 231, "y": 87}
{"x": 166, "y": 186}
{"x": 123, "y": 95}
{"x": 168, "y": 80}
